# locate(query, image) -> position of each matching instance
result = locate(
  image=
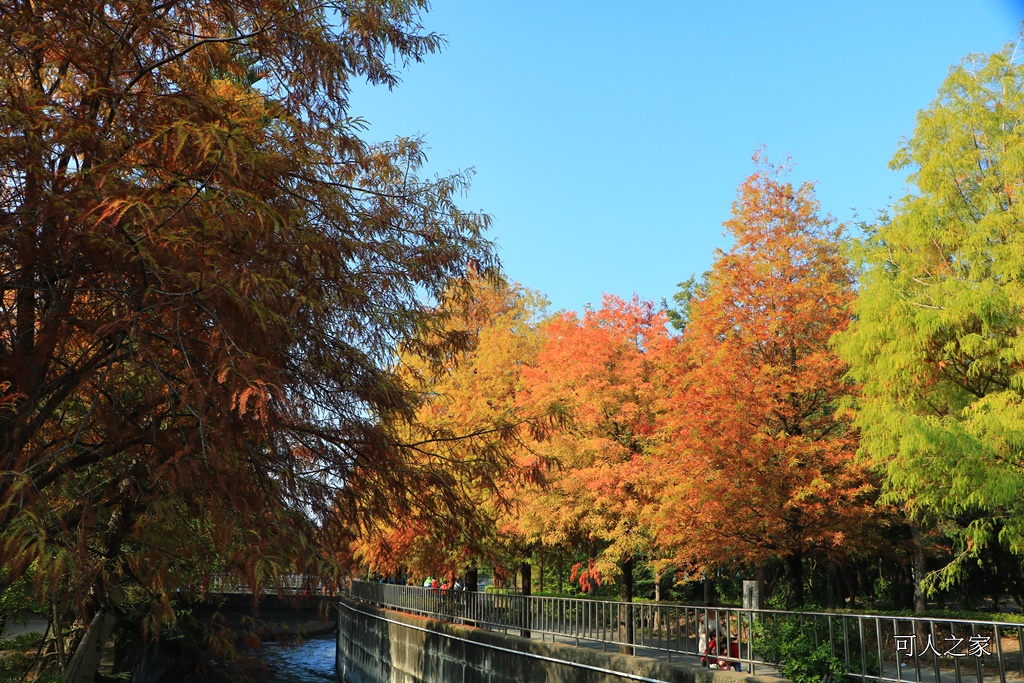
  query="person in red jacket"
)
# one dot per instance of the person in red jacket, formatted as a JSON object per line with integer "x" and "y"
{"x": 716, "y": 652}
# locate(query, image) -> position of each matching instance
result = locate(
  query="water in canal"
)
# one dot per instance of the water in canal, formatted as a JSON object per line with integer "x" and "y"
{"x": 310, "y": 662}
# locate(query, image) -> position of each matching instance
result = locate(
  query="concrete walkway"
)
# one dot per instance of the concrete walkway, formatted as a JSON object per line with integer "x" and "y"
{"x": 907, "y": 674}
{"x": 661, "y": 655}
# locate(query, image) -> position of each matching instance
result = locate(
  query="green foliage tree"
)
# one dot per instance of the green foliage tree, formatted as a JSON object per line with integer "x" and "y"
{"x": 937, "y": 339}
{"x": 691, "y": 289}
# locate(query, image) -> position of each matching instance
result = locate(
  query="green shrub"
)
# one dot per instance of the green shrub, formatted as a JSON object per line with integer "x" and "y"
{"x": 885, "y": 592}
{"x": 789, "y": 644}
{"x": 777, "y": 598}
{"x": 871, "y": 662}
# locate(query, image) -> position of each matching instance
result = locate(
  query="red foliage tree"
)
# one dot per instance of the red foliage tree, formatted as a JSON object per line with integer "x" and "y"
{"x": 756, "y": 464}
{"x": 600, "y": 373}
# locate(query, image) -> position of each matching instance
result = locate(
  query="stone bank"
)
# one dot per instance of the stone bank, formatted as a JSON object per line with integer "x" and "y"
{"x": 381, "y": 646}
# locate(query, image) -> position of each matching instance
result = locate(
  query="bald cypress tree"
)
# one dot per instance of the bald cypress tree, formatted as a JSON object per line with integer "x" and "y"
{"x": 937, "y": 339}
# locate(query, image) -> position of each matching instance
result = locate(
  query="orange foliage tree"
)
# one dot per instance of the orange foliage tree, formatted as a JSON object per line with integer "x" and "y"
{"x": 475, "y": 433}
{"x": 600, "y": 373}
{"x": 756, "y": 464}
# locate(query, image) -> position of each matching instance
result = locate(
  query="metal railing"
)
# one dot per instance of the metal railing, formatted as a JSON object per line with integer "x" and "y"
{"x": 287, "y": 584}
{"x": 871, "y": 648}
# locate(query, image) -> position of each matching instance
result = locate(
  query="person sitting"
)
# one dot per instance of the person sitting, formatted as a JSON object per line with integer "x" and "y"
{"x": 720, "y": 654}
{"x": 707, "y": 623}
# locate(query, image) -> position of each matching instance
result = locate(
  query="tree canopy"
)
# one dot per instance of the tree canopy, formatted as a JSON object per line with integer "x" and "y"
{"x": 205, "y": 276}
{"x": 937, "y": 341}
{"x": 600, "y": 372}
{"x": 755, "y": 464}
{"x": 476, "y": 433}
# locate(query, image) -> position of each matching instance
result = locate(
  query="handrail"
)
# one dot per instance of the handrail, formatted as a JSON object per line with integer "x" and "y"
{"x": 872, "y": 647}
{"x": 287, "y": 584}
{"x": 518, "y": 653}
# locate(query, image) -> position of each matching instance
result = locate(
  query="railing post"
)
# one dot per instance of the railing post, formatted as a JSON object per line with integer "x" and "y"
{"x": 523, "y": 614}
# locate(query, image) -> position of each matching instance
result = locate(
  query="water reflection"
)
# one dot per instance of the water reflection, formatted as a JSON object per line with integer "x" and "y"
{"x": 310, "y": 662}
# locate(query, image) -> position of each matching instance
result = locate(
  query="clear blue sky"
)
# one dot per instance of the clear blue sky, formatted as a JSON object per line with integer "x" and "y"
{"x": 609, "y": 137}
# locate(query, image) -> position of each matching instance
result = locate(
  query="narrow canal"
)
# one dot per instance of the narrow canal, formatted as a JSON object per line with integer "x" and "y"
{"x": 310, "y": 662}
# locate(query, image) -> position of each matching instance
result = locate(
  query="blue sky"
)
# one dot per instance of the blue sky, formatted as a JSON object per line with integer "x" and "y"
{"x": 609, "y": 138}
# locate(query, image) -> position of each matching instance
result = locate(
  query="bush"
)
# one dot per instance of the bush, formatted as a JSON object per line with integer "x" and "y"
{"x": 885, "y": 592}
{"x": 789, "y": 644}
{"x": 19, "y": 661}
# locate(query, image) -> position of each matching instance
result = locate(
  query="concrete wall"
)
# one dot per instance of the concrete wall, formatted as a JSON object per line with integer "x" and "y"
{"x": 380, "y": 646}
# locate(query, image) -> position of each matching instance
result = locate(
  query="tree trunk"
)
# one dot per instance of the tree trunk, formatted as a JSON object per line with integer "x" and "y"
{"x": 864, "y": 587}
{"x": 709, "y": 590}
{"x": 472, "y": 586}
{"x": 762, "y": 585}
{"x": 85, "y": 662}
{"x": 795, "y": 579}
{"x": 849, "y": 586}
{"x": 830, "y": 586}
{"x": 657, "y": 598}
{"x": 540, "y": 571}
{"x": 58, "y": 635}
{"x": 559, "y": 572}
{"x": 907, "y": 587}
{"x": 842, "y": 590}
{"x": 920, "y": 569}
{"x": 527, "y": 572}
{"x": 626, "y": 610}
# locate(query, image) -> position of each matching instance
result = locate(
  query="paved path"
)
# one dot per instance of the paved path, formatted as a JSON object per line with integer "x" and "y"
{"x": 968, "y": 671}
{"x": 24, "y": 623}
{"x": 662, "y": 655}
